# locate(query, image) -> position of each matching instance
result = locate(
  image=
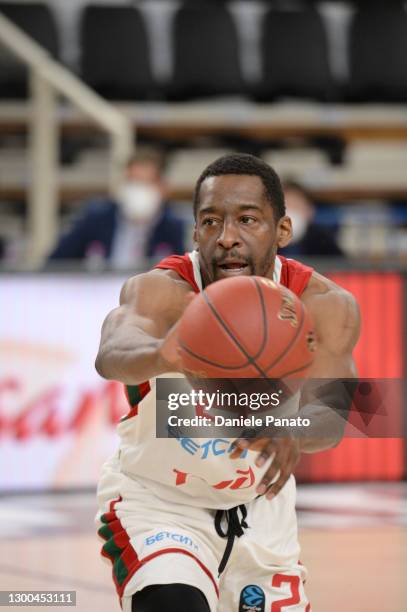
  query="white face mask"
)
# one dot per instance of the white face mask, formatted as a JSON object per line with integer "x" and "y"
{"x": 299, "y": 224}
{"x": 139, "y": 201}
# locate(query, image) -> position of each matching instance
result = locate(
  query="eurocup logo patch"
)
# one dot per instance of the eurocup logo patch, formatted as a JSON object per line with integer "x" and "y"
{"x": 252, "y": 599}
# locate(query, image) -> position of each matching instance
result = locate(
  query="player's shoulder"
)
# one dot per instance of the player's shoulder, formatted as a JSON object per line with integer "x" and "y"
{"x": 321, "y": 287}
{"x": 333, "y": 308}
{"x": 156, "y": 284}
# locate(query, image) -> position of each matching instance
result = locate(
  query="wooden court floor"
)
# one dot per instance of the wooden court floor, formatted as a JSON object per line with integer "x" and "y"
{"x": 357, "y": 561}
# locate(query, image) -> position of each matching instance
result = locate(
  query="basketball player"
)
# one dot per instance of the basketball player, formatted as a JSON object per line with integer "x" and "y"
{"x": 165, "y": 504}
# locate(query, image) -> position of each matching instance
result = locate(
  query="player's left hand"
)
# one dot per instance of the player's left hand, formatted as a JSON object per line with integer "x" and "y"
{"x": 286, "y": 451}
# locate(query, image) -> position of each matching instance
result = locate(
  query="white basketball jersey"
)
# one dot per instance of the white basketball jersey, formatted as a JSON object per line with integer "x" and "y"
{"x": 195, "y": 471}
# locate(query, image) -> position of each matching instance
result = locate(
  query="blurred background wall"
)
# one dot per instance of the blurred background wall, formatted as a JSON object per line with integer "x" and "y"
{"x": 317, "y": 89}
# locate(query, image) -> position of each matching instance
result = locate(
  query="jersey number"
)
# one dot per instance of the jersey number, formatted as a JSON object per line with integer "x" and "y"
{"x": 294, "y": 582}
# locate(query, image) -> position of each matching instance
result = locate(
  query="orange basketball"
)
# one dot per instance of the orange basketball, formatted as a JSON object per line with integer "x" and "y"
{"x": 246, "y": 327}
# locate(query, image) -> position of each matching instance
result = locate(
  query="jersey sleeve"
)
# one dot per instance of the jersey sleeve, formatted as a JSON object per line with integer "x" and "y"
{"x": 295, "y": 275}
{"x": 182, "y": 265}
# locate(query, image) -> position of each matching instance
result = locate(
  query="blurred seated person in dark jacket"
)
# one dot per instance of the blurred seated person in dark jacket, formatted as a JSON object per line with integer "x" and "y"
{"x": 308, "y": 237}
{"x": 126, "y": 229}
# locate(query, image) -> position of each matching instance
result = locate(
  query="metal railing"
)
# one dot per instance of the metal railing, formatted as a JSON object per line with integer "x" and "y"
{"x": 48, "y": 78}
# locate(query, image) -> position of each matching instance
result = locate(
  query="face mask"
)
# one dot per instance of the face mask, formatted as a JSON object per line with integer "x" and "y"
{"x": 300, "y": 226}
{"x": 139, "y": 201}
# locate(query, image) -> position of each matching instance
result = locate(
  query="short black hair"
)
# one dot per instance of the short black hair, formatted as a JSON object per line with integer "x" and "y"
{"x": 243, "y": 163}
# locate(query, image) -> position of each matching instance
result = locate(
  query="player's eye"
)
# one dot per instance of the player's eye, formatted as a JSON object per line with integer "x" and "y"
{"x": 209, "y": 221}
{"x": 246, "y": 220}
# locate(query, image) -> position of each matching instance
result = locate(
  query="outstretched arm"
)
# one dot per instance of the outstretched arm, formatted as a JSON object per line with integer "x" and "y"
{"x": 134, "y": 335}
{"x": 337, "y": 325}
{"x": 337, "y": 322}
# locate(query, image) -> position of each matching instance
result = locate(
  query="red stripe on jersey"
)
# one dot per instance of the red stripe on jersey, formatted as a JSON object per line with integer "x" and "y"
{"x": 128, "y": 556}
{"x": 182, "y": 552}
{"x": 141, "y": 390}
{"x": 182, "y": 265}
{"x": 294, "y": 275}
{"x": 114, "y": 502}
{"x": 123, "y": 551}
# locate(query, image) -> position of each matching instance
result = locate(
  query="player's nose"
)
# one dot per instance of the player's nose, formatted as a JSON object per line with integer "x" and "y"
{"x": 229, "y": 237}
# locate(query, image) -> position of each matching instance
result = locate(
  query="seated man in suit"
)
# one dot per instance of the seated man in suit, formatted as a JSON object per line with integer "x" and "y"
{"x": 135, "y": 225}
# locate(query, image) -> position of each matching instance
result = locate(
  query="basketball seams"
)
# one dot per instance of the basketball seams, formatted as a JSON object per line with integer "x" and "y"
{"x": 265, "y": 320}
{"x": 292, "y": 341}
{"x": 250, "y": 359}
{"x": 239, "y": 345}
{"x": 226, "y": 329}
{"x": 208, "y": 361}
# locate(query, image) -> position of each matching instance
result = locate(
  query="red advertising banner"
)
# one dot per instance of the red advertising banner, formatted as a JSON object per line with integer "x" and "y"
{"x": 378, "y": 354}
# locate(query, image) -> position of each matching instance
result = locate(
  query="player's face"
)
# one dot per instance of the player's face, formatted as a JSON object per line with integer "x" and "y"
{"x": 236, "y": 231}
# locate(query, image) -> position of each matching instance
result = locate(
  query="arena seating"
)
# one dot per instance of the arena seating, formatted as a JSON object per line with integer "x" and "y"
{"x": 115, "y": 53}
{"x": 377, "y": 54}
{"x": 294, "y": 43}
{"x": 206, "y": 52}
{"x": 295, "y": 56}
{"x": 37, "y": 20}
{"x": 207, "y": 101}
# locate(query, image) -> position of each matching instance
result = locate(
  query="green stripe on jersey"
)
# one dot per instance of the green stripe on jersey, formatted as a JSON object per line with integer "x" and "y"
{"x": 112, "y": 549}
{"x": 134, "y": 394}
{"x": 105, "y": 532}
{"x": 120, "y": 570}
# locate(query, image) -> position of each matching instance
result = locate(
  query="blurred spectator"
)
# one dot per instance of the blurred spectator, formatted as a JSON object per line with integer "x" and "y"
{"x": 138, "y": 223}
{"x": 308, "y": 237}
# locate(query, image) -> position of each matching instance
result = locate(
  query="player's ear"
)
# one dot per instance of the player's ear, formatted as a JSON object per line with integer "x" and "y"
{"x": 194, "y": 236}
{"x": 284, "y": 231}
